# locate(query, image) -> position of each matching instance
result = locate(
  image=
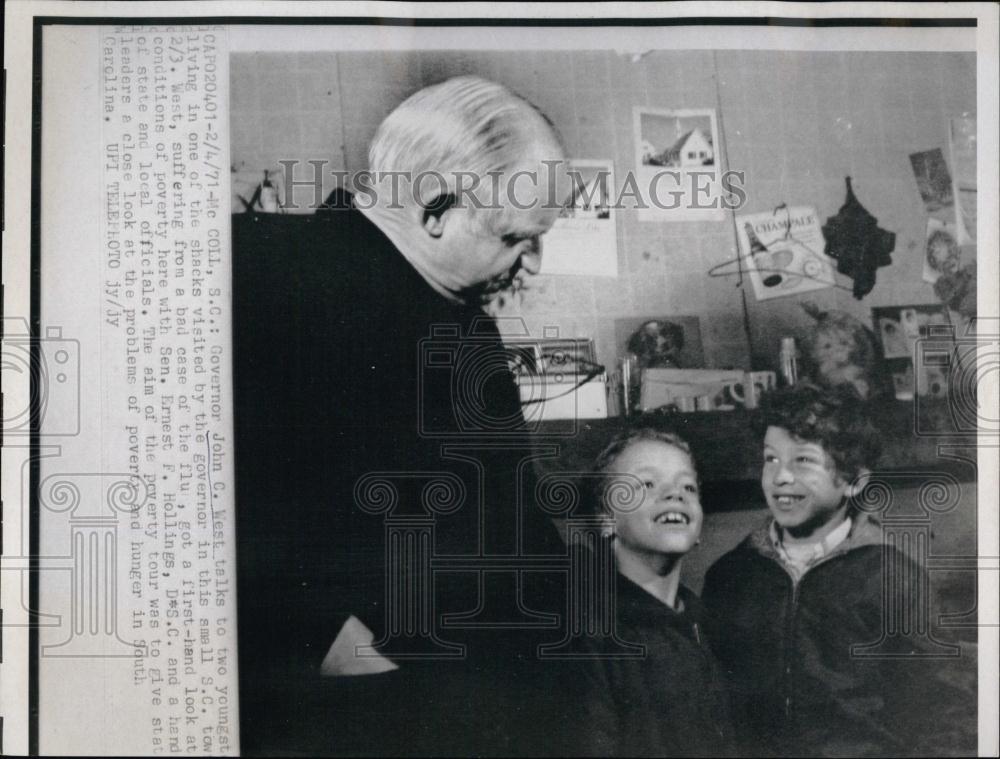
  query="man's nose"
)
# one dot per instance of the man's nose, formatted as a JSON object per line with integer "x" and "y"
{"x": 531, "y": 259}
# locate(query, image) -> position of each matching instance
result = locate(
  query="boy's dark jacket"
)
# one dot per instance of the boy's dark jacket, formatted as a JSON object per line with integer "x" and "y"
{"x": 787, "y": 650}
{"x": 669, "y": 700}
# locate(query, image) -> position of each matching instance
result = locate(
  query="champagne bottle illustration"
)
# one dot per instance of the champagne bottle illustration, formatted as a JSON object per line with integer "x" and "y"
{"x": 762, "y": 258}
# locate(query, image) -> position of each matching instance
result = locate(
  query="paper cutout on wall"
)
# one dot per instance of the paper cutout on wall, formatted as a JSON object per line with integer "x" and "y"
{"x": 860, "y": 246}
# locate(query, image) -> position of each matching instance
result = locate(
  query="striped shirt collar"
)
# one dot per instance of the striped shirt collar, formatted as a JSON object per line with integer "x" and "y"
{"x": 799, "y": 557}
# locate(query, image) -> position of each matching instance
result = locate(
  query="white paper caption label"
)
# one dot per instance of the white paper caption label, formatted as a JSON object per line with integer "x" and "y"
{"x": 167, "y": 389}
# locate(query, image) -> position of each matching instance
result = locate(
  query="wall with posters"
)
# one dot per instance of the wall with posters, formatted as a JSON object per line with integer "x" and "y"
{"x": 796, "y": 122}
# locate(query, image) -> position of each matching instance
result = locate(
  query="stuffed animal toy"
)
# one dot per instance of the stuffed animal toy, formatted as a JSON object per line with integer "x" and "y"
{"x": 957, "y": 290}
{"x": 840, "y": 350}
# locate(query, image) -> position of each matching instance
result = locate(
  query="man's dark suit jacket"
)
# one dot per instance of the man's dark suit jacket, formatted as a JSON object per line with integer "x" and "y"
{"x": 356, "y": 382}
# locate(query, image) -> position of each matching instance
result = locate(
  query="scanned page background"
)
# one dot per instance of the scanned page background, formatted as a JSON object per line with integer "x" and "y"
{"x": 135, "y": 495}
{"x": 103, "y": 699}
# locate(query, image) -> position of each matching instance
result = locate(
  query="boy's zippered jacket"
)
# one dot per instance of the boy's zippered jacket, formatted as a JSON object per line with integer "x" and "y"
{"x": 842, "y": 662}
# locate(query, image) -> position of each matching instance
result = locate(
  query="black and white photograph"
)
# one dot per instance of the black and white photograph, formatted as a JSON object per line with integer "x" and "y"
{"x": 677, "y": 152}
{"x": 488, "y": 381}
{"x": 677, "y": 141}
{"x": 933, "y": 179}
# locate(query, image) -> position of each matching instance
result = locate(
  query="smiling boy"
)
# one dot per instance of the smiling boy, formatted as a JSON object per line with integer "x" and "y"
{"x": 661, "y": 694}
{"x": 787, "y": 604}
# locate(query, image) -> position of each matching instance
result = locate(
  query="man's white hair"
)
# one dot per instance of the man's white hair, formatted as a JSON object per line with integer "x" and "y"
{"x": 465, "y": 124}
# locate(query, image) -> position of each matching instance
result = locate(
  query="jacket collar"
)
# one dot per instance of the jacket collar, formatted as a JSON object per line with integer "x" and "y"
{"x": 865, "y": 531}
{"x": 635, "y": 603}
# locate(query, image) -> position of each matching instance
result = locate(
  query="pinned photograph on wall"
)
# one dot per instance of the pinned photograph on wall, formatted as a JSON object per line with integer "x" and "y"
{"x": 899, "y": 327}
{"x": 783, "y": 250}
{"x": 894, "y": 343}
{"x": 941, "y": 254}
{"x": 678, "y": 165}
{"x": 584, "y": 240}
{"x": 901, "y": 331}
{"x": 934, "y": 183}
{"x": 962, "y": 140}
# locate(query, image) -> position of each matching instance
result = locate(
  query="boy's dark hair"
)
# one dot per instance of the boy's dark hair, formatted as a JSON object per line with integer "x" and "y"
{"x": 835, "y": 418}
{"x": 604, "y": 463}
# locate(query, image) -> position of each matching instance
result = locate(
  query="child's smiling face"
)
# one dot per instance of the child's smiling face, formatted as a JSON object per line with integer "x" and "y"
{"x": 804, "y": 490}
{"x": 663, "y": 515}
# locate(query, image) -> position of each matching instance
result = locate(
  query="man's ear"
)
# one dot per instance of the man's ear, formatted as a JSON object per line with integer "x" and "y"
{"x": 434, "y": 215}
{"x": 855, "y": 486}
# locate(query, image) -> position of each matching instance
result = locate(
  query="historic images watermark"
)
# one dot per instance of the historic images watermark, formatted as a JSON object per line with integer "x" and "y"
{"x": 53, "y": 362}
{"x": 965, "y": 359}
{"x": 664, "y": 190}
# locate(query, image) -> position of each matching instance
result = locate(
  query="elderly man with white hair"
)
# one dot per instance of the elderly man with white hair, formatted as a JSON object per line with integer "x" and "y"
{"x": 378, "y": 430}
{"x": 449, "y": 160}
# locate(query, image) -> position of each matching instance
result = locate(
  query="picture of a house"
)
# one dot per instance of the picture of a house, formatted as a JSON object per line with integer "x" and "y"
{"x": 683, "y": 142}
{"x": 693, "y": 148}
{"x": 671, "y": 148}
